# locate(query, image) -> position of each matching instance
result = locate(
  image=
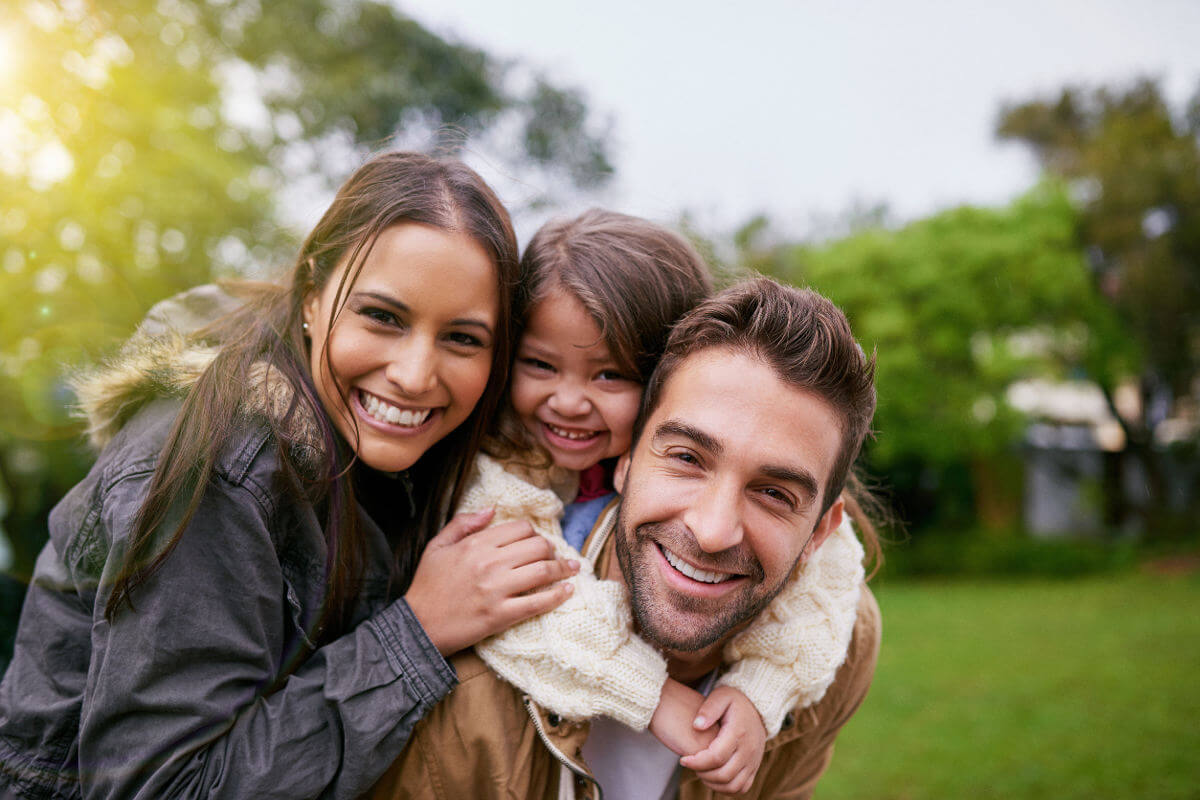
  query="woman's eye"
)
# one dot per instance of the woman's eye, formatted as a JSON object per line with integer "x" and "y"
{"x": 379, "y": 315}
{"x": 611, "y": 375}
{"x": 465, "y": 339}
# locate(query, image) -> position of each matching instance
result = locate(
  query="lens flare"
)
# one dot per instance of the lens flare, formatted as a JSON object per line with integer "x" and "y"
{"x": 8, "y": 58}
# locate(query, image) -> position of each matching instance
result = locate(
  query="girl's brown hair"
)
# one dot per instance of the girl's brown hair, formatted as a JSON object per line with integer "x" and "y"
{"x": 389, "y": 189}
{"x": 635, "y": 278}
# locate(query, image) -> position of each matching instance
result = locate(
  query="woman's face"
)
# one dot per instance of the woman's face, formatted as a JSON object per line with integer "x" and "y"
{"x": 410, "y": 351}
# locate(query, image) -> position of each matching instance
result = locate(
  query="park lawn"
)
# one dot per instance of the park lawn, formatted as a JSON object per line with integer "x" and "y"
{"x": 1023, "y": 690}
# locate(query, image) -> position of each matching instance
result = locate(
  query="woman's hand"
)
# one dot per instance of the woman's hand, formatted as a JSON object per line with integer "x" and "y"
{"x": 472, "y": 582}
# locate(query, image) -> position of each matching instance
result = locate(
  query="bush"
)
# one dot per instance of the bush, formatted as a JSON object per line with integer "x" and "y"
{"x": 976, "y": 554}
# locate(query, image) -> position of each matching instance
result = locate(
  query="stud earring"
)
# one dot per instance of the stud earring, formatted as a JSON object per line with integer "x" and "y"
{"x": 304, "y": 327}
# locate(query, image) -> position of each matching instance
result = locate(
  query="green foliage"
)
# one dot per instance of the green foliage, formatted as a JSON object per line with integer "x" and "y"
{"x": 143, "y": 146}
{"x": 1136, "y": 168}
{"x": 1065, "y": 690}
{"x": 967, "y": 553}
{"x": 957, "y": 307}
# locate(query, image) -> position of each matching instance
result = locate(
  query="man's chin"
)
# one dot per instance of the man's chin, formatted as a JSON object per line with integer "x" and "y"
{"x": 672, "y": 628}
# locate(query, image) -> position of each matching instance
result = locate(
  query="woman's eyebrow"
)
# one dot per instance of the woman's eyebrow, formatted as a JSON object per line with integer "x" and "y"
{"x": 400, "y": 305}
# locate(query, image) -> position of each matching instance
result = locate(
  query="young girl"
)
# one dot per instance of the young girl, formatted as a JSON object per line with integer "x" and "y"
{"x": 222, "y": 610}
{"x": 603, "y": 292}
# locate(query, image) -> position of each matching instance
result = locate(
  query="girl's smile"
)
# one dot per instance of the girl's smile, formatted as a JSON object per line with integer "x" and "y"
{"x": 568, "y": 390}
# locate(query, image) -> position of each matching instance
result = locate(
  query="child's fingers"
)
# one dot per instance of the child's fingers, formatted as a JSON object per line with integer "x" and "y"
{"x": 711, "y": 710}
{"x": 714, "y": 756}
{"x": 729, "y": 779}
{"x": 740, "y": 783}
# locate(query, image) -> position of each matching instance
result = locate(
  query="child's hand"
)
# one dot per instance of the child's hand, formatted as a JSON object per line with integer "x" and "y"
{"x": 730, "y": 763}
{"x": 673, "y": 719}
{"x": 471, "y": 583}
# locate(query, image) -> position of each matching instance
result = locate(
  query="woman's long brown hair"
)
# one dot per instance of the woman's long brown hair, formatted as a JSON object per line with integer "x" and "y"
{"x": 390, "y": 189}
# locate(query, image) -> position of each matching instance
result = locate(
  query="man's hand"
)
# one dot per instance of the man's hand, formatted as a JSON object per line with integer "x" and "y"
{"x": 730, "y": 763}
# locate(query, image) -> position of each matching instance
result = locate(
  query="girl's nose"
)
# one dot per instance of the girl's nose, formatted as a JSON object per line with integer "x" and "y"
{"x": 569, "y": 400}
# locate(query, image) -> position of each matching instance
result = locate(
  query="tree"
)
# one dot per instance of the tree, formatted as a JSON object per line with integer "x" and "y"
{"x": 1134, "y": 165}
{"x": 144, "y": 145}
{"x": 958, "y": 307}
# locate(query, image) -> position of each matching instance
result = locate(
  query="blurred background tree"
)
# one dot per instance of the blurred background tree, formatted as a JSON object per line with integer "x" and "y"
{"x": 959, "y": 306}
{"x": 145, "y": 146}
{"x": 1133, "y": 164}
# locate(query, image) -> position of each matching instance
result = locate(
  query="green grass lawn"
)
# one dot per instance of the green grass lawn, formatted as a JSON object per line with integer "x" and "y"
{"x": 1084, "y": 688}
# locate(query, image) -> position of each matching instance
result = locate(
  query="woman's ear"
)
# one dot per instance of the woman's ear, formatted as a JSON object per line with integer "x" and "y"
{"x": 308, "y": 311}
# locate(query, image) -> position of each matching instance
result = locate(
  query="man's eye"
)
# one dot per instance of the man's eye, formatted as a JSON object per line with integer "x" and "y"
{"x": 685, "y": 457}
{"x": 778, "y": 496}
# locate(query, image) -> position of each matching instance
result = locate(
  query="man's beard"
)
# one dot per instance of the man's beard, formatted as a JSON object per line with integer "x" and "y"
{"x": 655, "y": 615}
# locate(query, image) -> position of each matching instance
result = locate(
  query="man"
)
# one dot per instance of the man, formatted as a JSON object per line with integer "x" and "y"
{"x": 747, "y": 432}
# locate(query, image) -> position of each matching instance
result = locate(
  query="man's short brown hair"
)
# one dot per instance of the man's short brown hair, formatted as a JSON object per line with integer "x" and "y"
{"x": 803, "y": 336}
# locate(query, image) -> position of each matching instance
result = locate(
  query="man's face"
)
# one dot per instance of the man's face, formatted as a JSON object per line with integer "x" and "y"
{"x": 722, "y": 497}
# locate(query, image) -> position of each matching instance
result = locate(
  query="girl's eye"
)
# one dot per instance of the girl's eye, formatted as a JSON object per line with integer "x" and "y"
{"x": 536, "y": 363}
{"x": 611, "y": 375}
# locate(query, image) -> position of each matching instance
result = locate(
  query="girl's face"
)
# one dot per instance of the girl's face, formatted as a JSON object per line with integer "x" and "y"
{"x": 568, "y": 390}
{"x": 410, "y": 351}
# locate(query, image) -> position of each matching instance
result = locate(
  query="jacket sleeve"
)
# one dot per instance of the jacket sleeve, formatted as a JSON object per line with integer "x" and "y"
{"x": 583, "y": 658}
{"x": 179, "y": 701}
{"x": 790, "y": 654}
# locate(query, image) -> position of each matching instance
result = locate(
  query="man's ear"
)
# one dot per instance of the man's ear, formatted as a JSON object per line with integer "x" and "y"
{"x": 621, "y": 472}
{"x": 830, "y": 521}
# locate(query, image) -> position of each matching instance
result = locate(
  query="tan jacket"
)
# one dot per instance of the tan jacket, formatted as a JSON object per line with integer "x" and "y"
{"x": 487, "y": 740}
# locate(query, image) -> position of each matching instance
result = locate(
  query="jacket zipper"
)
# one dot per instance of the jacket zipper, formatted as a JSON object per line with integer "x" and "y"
{"x": 559, "y": 755}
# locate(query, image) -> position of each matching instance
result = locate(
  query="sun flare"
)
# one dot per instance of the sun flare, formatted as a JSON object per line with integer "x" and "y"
{"x": 8, "y": 58}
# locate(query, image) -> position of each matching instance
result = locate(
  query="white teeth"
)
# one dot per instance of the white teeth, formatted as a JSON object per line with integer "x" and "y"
{"x": 386, "y": 412}
{"x": 566, "y": 434}
{"x": 704, "y": 576}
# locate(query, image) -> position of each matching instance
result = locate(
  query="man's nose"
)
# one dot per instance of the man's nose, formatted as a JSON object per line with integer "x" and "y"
{"x": 569, "y": 399}
{"x": 412, "y": 365}
{"x": 715, "y": 519}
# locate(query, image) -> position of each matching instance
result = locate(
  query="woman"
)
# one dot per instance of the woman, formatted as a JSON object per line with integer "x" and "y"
{"x": 231, "y": 604}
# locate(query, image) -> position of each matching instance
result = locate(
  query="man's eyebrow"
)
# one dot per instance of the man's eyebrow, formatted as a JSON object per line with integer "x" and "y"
{"x": 674, "y": 427}
{"x": 799, "y": 477}
{"x": 388, "y": 300}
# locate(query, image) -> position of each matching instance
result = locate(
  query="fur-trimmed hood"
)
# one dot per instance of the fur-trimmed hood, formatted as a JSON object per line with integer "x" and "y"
{"x": 167, "y": 366}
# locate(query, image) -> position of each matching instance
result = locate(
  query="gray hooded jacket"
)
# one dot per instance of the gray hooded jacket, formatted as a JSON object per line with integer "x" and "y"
{"x": 196, "y": 692}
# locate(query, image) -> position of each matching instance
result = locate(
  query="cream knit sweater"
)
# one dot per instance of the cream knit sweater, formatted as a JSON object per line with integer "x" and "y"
{"x": 583, "y": 659}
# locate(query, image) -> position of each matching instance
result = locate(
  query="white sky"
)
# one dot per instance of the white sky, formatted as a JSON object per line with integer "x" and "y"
{"x": 800, "y": 109}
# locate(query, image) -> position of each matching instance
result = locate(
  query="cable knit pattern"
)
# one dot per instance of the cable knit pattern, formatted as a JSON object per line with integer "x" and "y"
{"x": 583, "y": 659}
{"x": 791, "y": 654}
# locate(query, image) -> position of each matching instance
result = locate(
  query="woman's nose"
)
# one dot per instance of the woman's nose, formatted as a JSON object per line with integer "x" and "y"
{"x": 412, "y": 366}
